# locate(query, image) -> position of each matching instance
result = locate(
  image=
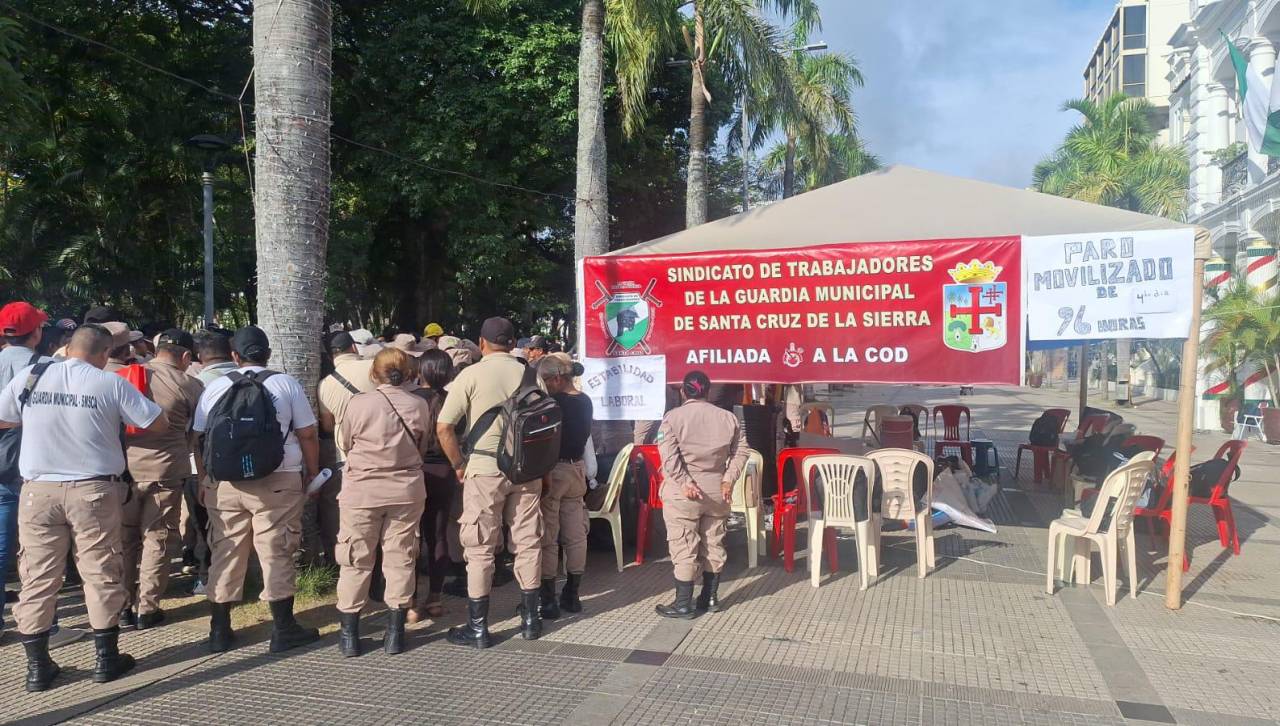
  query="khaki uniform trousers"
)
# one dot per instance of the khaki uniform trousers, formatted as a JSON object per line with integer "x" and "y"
{"x": 263, "y": 516}
{"x": 695, "y": 534}
{"x": 51, "y": 515}
{"x": 360, "y": 532}
{"x": 487, "y": 501}
{"x": 150, "y": 520}
{"x": 564, "y": 519}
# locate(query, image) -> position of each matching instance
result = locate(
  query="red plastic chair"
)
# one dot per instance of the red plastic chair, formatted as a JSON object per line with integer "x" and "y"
{"x": 1041, "y": 466}
{"x": 1091, "y": 425}
{"x": 653, "y": 463}
{"x": 787, "y": 503}
{"x": 898, "y": 432}
{"x": 951, "y": 436}
{"x": 1218, "y": 500}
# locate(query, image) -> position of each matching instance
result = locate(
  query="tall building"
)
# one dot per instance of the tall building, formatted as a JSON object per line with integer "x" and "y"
{"x": 1129, "y": 57}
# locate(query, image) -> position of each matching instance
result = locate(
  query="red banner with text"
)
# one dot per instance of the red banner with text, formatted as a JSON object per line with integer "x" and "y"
{"x": 927, "y": 311}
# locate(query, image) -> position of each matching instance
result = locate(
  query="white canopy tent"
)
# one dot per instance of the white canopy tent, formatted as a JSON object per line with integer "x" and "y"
{"x": 901, "y": 203}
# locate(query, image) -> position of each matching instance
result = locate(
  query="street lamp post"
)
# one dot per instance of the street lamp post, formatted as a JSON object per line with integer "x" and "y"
{"x": 212, "y": 146}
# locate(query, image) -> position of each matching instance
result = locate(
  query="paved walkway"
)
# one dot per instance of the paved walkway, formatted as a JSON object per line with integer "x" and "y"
{"x": 978, "y": 641}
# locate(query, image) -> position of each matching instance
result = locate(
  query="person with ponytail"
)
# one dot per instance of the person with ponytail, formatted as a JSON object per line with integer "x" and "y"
{"x": 703, "y": 450}
{"x": 564, "y": 515}
{"x": 384, "y": 432}
{"x": 444, "y": 497}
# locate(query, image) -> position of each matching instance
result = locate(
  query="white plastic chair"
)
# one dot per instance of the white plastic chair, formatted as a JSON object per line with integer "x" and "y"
{"x": 871, "y": 422}
{"x": 610, "y": 510}
{"x": 838, "y": 474}
{"x": 1246, "y": 421}
{"x": 746, "y": 499}
{"x": 897, "y": 473}
{"x": 1120, "y": 492}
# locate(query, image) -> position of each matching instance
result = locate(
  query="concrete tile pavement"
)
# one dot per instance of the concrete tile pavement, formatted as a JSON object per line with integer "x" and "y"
{"x": 978, "y": 641}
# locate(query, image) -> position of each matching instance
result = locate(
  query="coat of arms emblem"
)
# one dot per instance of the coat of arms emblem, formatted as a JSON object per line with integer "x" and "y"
{"x": 975, "y": 308}
{"x": 627, "y": 316}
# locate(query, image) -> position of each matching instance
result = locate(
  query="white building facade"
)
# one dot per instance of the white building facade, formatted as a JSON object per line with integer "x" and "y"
{"x": 1234, "y": 192}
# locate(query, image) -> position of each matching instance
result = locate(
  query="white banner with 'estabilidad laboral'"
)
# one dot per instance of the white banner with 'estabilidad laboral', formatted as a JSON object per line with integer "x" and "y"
{"x": 626, "y": 389}
{"x": 1105, "y": 286}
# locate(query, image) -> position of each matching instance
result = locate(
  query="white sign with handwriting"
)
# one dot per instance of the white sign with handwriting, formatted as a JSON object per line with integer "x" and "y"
{"x": 1110, "y": 285}
{"x": 626, "y": 389}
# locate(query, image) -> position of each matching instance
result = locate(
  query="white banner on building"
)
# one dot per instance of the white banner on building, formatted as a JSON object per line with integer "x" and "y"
{"x": 626, "y": 389}
{"x": 1107, "y": 286}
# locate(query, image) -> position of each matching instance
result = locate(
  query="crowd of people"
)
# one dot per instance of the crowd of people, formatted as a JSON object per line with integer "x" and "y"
{"x": 113, "y": 442}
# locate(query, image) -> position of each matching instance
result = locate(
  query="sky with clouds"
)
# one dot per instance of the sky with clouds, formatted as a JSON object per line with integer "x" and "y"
{"x": 966, "y": 87}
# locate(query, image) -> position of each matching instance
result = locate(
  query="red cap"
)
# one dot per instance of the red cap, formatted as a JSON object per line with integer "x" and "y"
{"x": 19, "y": 319}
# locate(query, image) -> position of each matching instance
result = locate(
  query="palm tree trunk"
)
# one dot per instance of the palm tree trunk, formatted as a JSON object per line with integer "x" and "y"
{"x": 695, "y": 210}
{"x": 591, "y": 210}
{"x": 789, "y": 169}
{"x": 292, "y": 51}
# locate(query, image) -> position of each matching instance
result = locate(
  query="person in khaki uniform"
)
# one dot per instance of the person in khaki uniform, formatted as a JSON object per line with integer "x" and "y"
{"x": 488, "y": 497}
{"x": 72, "y": 462}
{"x": 122, "y": 340}
{"x": 350, "y": 377}
{"x": 385, "y": 435}
{"x": 263, "y": 515}
{"x": 703, "y": 451}
{"x": 160, "y": 464}
{"x": 564, "y": 515}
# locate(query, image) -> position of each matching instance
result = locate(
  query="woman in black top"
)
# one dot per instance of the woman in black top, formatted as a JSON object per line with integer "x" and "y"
{"x": 564, "y": 516}
{"x": 435, "y": 370}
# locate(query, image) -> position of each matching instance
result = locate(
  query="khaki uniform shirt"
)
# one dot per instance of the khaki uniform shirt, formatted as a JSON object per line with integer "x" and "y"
{"x": 166, "y": 455}
{"x": 703, "y": 445}
{"x": 384, "y": 461}
{"x": 477, "y": 389}
{"x": 333, "y": 397}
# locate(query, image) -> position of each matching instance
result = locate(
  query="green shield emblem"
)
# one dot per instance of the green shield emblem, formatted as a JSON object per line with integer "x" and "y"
{"x": 627, "y": 318}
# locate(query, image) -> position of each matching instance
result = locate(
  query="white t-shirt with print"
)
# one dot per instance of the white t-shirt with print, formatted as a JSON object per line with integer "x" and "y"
{"x": 292, "y": 410}
{"x": 73, "y": 421}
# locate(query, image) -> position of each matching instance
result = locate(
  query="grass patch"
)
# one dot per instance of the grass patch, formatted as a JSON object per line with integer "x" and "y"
{"x": 317, "y": 582}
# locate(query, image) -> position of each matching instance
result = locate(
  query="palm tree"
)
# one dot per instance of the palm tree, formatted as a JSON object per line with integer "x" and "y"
{"x": 292, "y": 46}
{"x": 817, "y": 114}
{"x": 1246, "y": 329}
{"x": 1111, "y": 158}
{"x": 591, "y": 207}
{"x": 740, "y": 38}
{"x": 816, "y": 162}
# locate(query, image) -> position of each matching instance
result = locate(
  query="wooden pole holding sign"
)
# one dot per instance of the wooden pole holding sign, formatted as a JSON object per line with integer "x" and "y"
{"x": 1186, "y": 422}
{"x": 1083, "y": 369}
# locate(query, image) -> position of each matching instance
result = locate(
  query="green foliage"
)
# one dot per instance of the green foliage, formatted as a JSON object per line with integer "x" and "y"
{"x": 1244, "y": 328}
{"x": 469, "y": 215}
{"x": 1111, "y": 158}
{"x": 317, "y": 581}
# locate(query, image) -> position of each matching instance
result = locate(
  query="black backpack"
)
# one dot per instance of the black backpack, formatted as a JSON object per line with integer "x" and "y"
{"x": 1204, "y": 476}
{"x": 11, "y": 439}
{"x": 1044, "y": 432}
{"x": 530, "y": 423}
{"x": 243, "y": 440}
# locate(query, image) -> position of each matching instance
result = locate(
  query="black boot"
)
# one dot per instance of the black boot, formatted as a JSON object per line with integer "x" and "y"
{"x": 569, "y": 601}
{"x": 41, "y": 670}
{"x": 550, "y": 609}
{"x": 530, "y": 614}
{"x": 457, "y": 587}
{"x": 128, "y": 618}
{"x": 349, "y": 635}
{"x": 150, "y": 620}
{"x": 393, "y": 640}
{"x": 111, "y": 663}
{"x": 683, "y": 606}
{"x": 221, "y": 636}
{"x": 285, "y": 631}
{"x": 708, "y": 599}
{"x": 474, "y": 632}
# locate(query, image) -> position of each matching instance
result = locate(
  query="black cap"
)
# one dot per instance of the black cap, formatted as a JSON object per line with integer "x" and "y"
{"x": 341, "y": 340}
{"x": 101, "y": 314}
{"x": 499, "y": 331}
{"x": 178, "y": 337}
{"x": 250, "y": 342}
{"x": 539, "y": 342}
